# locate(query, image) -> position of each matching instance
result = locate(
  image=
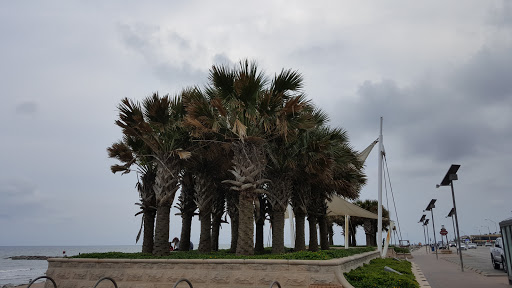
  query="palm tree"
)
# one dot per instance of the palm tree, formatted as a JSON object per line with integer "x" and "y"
{"x": 238, "y": 106}
{"x": 329, "y": 167}
{"x": 131, "y": 151}
{"x": 370, "y": 225}
{"x": 158, "y": 123}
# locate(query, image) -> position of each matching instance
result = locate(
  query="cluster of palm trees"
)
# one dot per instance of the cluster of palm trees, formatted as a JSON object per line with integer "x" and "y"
{"x": 247, "y": 145}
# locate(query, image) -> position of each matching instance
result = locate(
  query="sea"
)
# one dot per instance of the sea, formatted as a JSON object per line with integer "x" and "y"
{"x": 18, "y": 272}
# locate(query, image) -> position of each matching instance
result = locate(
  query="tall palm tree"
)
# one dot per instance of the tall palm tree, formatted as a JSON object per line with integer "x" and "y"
{"x": 329, "y": 167}
{"x": 158, "y": 123}
{"x": 239, "y": 106}
{"x": 132, "y": 151}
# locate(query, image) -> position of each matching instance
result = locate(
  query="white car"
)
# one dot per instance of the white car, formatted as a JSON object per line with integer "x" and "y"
{"x": 471, "y": 246}
{"x": 463, "y": 247}
{"x": 498, "y": 255}
{"x": 488, "y": 244}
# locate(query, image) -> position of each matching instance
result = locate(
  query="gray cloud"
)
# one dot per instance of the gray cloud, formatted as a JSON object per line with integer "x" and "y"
{"x": 222, "y": 59}
{"x": 486, "y": 77}
{"x": 501, "y": 15}
{"x": 156, "y": 47}
{"x": 27, "y": 108}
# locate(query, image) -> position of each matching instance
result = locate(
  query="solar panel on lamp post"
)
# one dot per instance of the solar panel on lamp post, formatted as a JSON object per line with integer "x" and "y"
{"x": 424, "y": 234}
{"x": 431, "y": 206}
{"x": 448, "y": 181}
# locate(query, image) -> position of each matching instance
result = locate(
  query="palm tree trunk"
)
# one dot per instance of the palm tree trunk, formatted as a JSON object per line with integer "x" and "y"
{"x": 187, "y": 207}
{"x": 149, "y": 230}
{"x": 186, "y": 225}
{"x": 218, "y": 209}
{"x": 313, "y": 235}
{"x": 352, "y": 236}
{"x": 324, "y": 240}
{"x": 231, "y": 207}
{"x": 216, "y": 220}
{"x": 278, "y": 232}
{"x": 205, "y": 240}
{"x": 259, "y": 244}
{"x": 260, "y": 223}
{"x": 245, "y": 242}
{"x": 300, "y": 234}
{"x": 369, "y": 241}
{"x": 162, "y": 231}
{"x": 166, "y": 185}
{"x": 234, "y": 233}
{"x": 331, "y": 233}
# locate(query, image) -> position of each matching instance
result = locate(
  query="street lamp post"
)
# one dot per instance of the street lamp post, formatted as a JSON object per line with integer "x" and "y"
{"x": 453, "y": 225}
{"x": 495, "y": 225}
{"x": 425, "y": 224}
{"x": 448, "y": 180}
{"x": 431, "y": 206}
{"x": 425, "y": 235}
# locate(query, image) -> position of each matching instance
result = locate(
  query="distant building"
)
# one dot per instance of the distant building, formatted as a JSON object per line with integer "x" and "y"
{"x": 484, "y": 238}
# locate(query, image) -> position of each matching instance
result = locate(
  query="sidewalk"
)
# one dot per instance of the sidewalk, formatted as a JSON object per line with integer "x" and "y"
{"x": 443, "y": 273}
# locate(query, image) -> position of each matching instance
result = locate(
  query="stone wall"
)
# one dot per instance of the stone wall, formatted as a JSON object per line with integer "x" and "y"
{"x": 202, "y": 273}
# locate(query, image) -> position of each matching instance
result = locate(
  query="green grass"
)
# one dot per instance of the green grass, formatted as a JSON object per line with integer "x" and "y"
{"x": 373, "y": 275}
{"x": 224, "y": 254}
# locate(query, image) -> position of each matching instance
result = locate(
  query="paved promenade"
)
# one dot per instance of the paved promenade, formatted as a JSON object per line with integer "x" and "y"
{"x": 446, "y": 272}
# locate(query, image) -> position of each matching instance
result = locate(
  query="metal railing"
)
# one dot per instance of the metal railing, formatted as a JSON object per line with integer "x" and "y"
{"x": 42, "y": 277}
{"x": 183, "y": 280}
{"x": 105, "y": 278}
{"x": 115, "y": 284}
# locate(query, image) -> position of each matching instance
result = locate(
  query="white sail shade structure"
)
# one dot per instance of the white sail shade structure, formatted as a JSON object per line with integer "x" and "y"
{"x": 341, "y": 207}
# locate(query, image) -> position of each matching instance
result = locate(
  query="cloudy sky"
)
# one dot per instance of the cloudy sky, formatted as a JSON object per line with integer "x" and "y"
{"x": 439, "y": 72}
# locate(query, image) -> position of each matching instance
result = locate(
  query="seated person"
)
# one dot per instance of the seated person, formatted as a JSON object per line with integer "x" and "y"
{"x": 176, "y": 242}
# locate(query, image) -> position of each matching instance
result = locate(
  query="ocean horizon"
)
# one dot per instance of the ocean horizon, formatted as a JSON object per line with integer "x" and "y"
{"x": 18, "y": 272}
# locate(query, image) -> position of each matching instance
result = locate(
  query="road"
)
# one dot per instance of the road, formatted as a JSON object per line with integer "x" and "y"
{"x": 478, "y": 260}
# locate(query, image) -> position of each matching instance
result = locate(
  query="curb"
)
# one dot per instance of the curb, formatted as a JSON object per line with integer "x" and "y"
{"x": 420, "y": 278}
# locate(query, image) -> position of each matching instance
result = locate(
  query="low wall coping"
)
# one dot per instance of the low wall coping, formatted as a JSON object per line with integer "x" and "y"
{"x": 331, "y": 262}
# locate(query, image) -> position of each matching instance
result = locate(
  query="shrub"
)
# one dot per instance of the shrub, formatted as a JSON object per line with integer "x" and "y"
{"x": 373, "y": 275}
{"x": 224, "y": 254}
{"x": 401, "y": 250}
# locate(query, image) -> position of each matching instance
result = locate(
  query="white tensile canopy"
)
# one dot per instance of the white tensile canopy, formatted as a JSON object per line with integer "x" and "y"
{"x": 341, "y": 207}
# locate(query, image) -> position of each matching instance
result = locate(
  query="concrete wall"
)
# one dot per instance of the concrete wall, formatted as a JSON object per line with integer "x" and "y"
{"x": 211, "y": 273}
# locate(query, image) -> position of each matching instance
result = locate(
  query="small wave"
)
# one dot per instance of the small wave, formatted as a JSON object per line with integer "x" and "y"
{"x": 15, "y": 270}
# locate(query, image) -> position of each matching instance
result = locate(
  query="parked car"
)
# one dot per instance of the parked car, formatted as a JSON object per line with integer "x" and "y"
{"x": 452, "y": 244}
{"x": 497, "y": 255}
{"x": 463, "y": 247}
{"x": 471, "y": 246}
{"x": 488, "y": 244}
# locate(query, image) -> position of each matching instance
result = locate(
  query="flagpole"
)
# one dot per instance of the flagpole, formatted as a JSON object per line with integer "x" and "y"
{"x": 379, "y": 214}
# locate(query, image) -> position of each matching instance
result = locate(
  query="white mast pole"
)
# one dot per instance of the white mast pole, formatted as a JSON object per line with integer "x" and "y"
{"x": 379, "y": 223}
